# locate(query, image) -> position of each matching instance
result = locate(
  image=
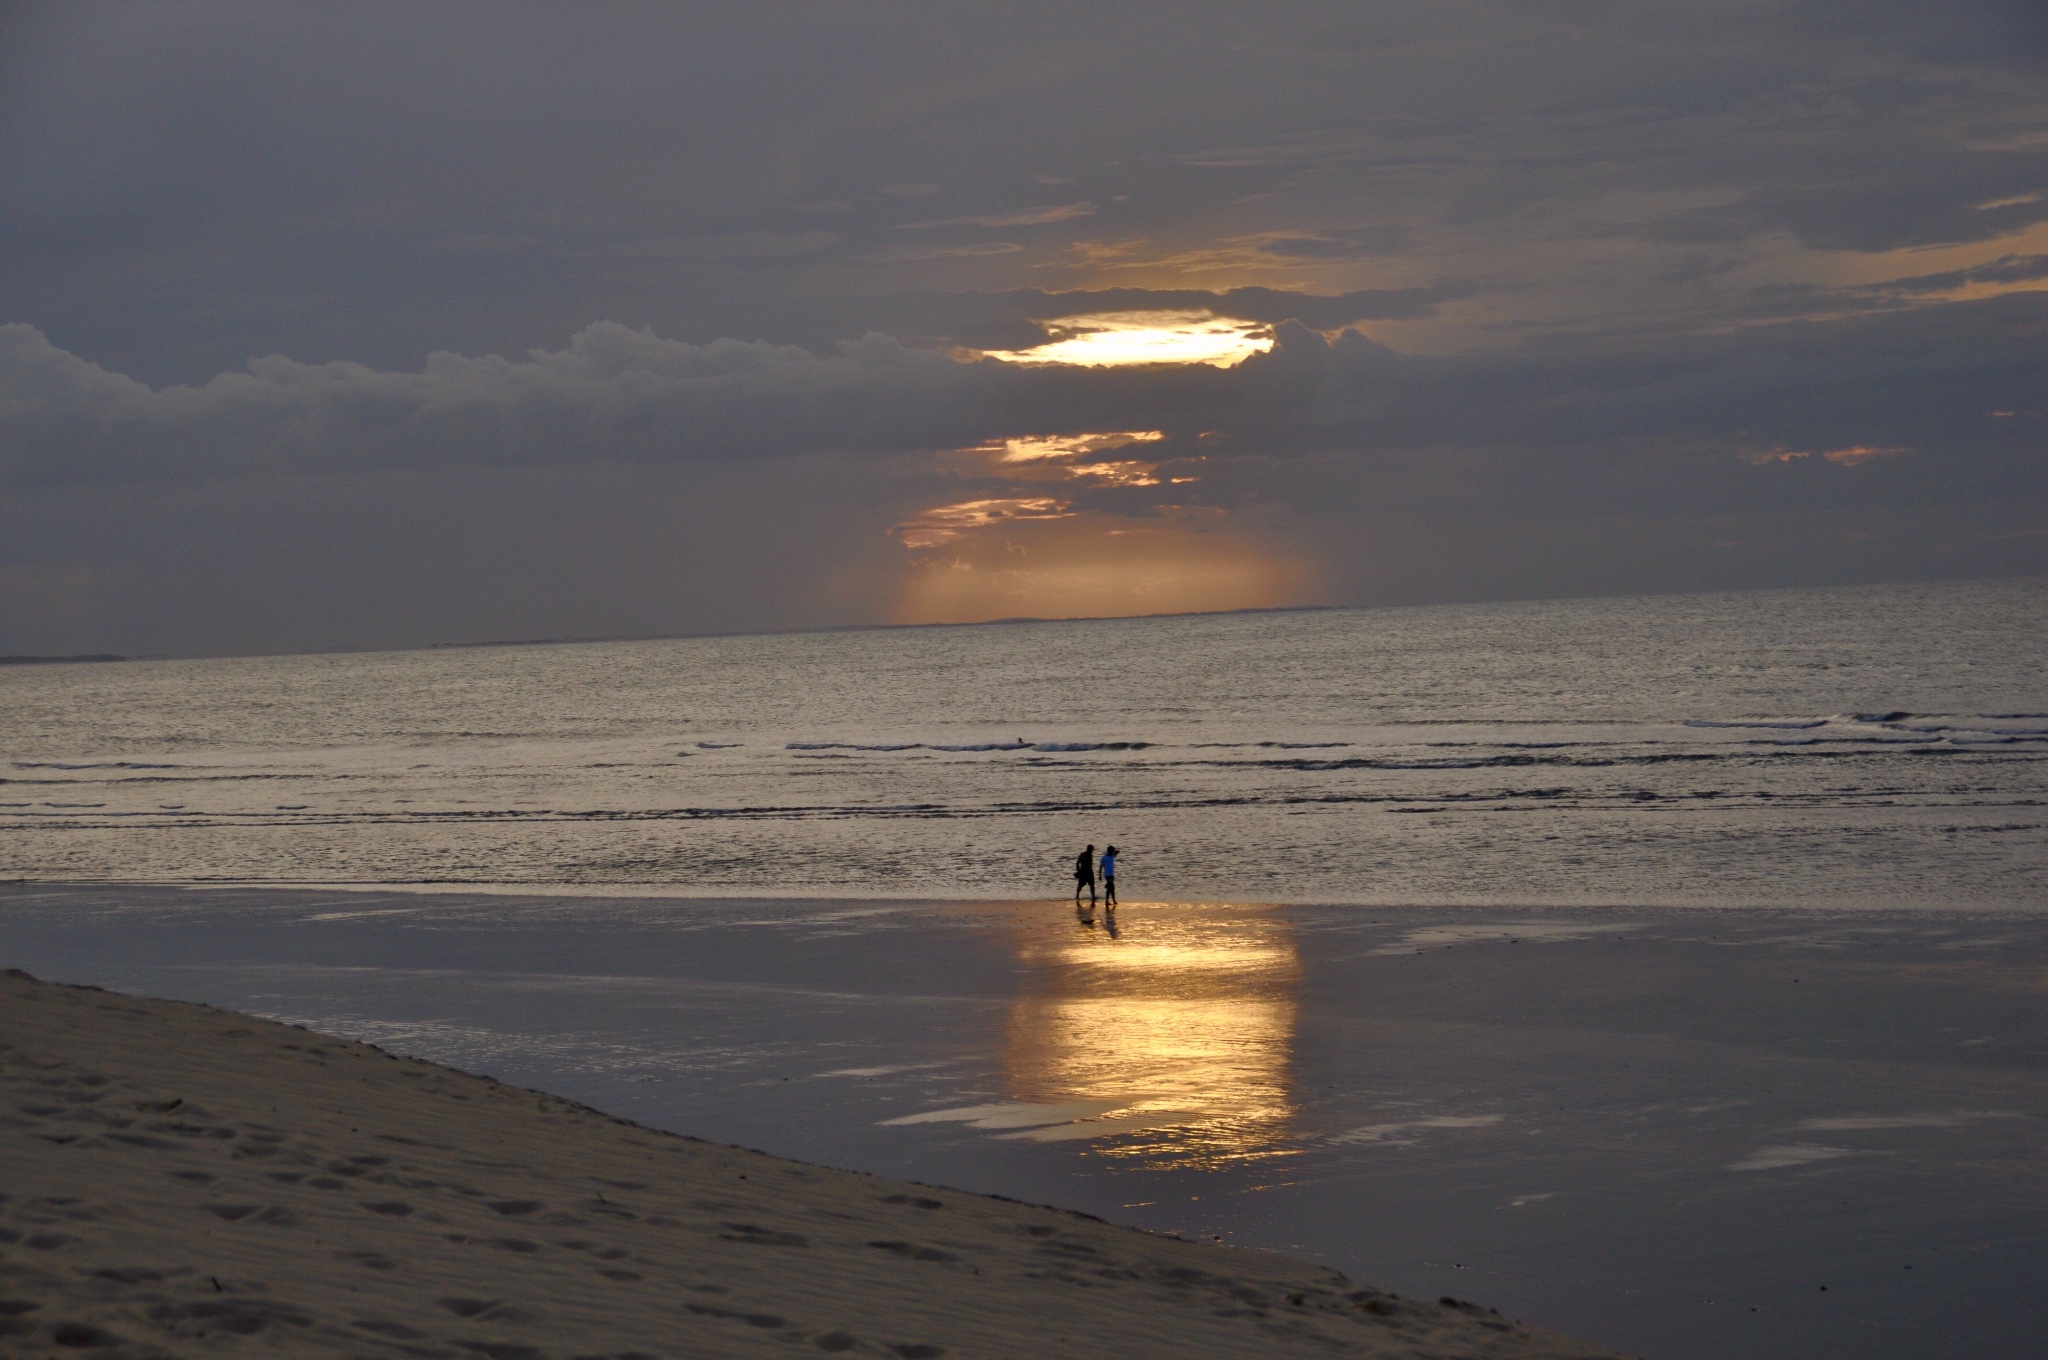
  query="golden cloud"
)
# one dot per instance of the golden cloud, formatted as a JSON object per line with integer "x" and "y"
{"x": 943, "y": 524}
{"x": 1068, "y": 457}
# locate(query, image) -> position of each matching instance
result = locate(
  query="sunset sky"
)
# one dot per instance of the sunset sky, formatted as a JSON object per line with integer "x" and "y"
{"x": 386, "y": 325}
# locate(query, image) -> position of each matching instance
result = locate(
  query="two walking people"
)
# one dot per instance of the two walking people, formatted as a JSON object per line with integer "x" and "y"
{"x": 1084, "y": 876}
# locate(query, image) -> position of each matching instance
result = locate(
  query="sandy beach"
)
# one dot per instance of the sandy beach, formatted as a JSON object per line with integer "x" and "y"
{"x": 1682, "y": 1134}
{"x": 181, "y": 1179}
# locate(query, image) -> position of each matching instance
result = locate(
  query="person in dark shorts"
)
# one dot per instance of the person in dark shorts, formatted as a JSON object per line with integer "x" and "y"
{"x": 1084, "y": 876}
{"x": 1109, "y": 877}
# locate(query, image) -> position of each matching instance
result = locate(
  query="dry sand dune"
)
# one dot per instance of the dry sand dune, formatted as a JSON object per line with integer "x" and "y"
{"x": 176, "y": 1179}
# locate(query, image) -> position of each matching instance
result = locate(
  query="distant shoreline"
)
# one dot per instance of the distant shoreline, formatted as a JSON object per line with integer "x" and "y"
{"x": 59, "y": 660}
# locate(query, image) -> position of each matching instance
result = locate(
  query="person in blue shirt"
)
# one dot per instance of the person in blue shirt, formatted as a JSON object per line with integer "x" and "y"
{"x": 1109, "y": 877}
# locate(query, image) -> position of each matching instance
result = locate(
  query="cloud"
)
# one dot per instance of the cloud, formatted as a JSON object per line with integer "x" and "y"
{"x": 2007, "y": 270}
{"x": 1287, "y": 150}
{"x": 1858, "y": 454}
{"x": 1019, "y": 217}
{"x": 897, "y": 254}
{"x": 1860, "y": 388}
{"x": 1332, "y": 244}
{"x": 1570, "y": 247}
{"x": 1251, "y": 253}
{"x": 1621, "y": 176}
{"x": 628, "y": 477}
{"x": 478, "y": 241}
{"x": 1070, "y": 457}
{"x": 736, "y": 245}
{"x": 948, "y": 523}
{"x": 613, "y": 392}
{"x": 1010, "y": 319}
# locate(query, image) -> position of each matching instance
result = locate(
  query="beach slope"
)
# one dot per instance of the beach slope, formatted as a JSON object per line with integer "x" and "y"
{"x": 177, "y": 1179}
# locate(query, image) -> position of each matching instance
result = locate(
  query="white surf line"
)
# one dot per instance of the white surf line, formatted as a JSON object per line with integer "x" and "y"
{"x": 1959, "y": 1119}
{"x": 880, "y": 1071}
{"x": 1020, "y": 1115}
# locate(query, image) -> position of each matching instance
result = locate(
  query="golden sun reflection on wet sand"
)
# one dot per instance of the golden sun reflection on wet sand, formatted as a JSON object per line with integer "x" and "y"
{"x": 1172, "y": 1039}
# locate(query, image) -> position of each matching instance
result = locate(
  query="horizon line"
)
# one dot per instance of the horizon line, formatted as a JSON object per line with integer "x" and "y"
{"x": 1019, "y": 619}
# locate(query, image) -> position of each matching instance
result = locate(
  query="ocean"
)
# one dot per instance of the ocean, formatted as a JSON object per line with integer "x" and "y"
{"x": 1660, "y": 969}
{"x": 1867, "y": 746}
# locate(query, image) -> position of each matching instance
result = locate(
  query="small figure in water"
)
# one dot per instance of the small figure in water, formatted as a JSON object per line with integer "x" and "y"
{"x": 1109, "y": 878}
{"x": 1084, "y": 875}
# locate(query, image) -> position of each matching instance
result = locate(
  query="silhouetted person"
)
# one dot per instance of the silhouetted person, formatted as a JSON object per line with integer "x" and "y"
{"x": 1109, "y": 877}
{"x": 1084, "y": 876}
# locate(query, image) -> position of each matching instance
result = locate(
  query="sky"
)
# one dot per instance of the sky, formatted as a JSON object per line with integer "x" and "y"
{"x": 389, "y": 325}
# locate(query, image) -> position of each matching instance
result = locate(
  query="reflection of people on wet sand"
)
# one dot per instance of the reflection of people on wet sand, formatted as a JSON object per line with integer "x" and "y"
{"x": 1084, "y": 875}
{"x": 1109, "y": 878}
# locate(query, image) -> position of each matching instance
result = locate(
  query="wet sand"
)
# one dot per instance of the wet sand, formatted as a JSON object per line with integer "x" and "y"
{"x": 188, "y": 1180}
{"x": 1684, "y": 1133}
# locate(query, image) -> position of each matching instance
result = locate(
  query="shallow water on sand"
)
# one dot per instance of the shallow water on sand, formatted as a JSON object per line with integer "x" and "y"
{"x": 1867, "y": 746}
{"x": 1683, "y": 1132}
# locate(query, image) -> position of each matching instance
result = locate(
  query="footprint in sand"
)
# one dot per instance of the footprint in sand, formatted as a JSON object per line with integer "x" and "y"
{"x": 468, "y": 1308}
{"x": 766, "y": 1321}
{"x": 910, "y": 1251}
{"x": 369, "y": 1260}
{"x": 15, "y": 1319}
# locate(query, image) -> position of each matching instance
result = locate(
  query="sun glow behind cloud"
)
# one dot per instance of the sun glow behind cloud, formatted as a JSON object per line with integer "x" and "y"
{"x": 1059, "y": 564}
{"x": 1110, "y": 339}
{"x": 1017, "y": 554}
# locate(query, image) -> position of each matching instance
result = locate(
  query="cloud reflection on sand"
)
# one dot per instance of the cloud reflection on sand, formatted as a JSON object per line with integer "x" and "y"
{"x": 1510, "y": 932}
{"x": 1408, "y": 1132}
{"x": 1792, "y": 1154}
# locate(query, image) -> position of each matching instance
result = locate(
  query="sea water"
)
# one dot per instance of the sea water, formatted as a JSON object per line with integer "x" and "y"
{"x": 1855, "y": 746}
